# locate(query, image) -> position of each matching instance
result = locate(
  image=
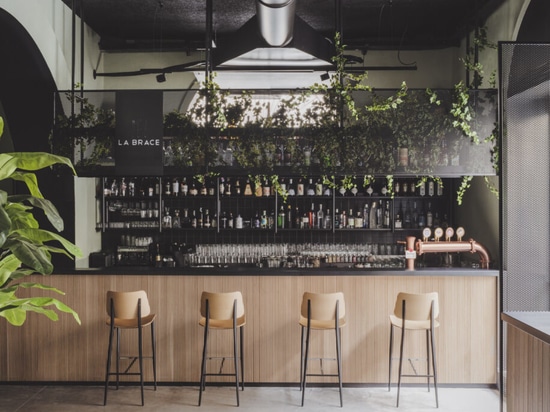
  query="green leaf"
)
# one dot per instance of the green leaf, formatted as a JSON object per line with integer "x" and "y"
{"x": 48, "y": 207}
{"x": 1, "y": 125}
{"x": 30, "y": 254}
{"x": 42, "y": 236}
{"x": 16, "y": 316}
{"x": 30, "y": 180}
{"x": 8, "y": 266}
{"x": 39, "y": 160}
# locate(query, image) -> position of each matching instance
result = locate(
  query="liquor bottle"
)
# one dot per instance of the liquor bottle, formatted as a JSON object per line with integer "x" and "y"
{"x": 281, "y": 221}
{"x": 223, "y": 220}
{"x": 380, "y": 216}
{"x": 372, "y": 216}
{"x": 271, "y": 220}
{"x": 228, "y": 188}
{"x": 230, "y": 221}
{"x": 221, "y": 188}
{"x": 263, "y": 220}
{"x": 305, "y": 221}
{"x": 291, "y": 190}
{"x": 194, "y": 220}
{"x": 328, "y": 220}
{"x": 175, "y": 187}
{"x": 289, "y": 219}
{"x": 131, "y": 188}
{"x": 336, "y": 219}
{"x": 387, "y": 217}
{"x": 238, "y": 222}
{"x": 422, "y": 219}
{"x": 193, "y": 191}
{"x": 414, "y": 221}
{"x": 214, "y": 221}
{"x": 384, "y": 190}
{"x": 422, "y": 188}
{"x": 319, "y": 188}
{"x": 399, "y": 217}
{"x": 256, "y": 221}
{"x": 204, "y": 188}
{"x": 300, "y": 188}
{"x": 437, "y": 221}
{"x": 397, "y": 188}
{"x": 431, "y": 188}
{"x": 439, "y": 188}
{"x": 310, "y": 190}
{"x": 282, "y": 184}
{"x": 167, "y": 220}
{"x": 366, "y": 216}
{"x": 312, "y": 217}
{"x": 156, "y": 185}
{"x": 359, "y": 220}
{"x": 404, "y": 188}
{"x": 184, "y": 188}
{"x": 114, "y": 188}
{"x": 429, "y": 216}
{"x": 297, "y": 219}
{"x": 176, "y": 222}
{"x": 407, "y": 218}
{"x": 258, "y": 191}
{"x": 123, "y": 187}
{"x": 207, "y": 221}
{"x": 343, "y": 220}
{"x": 247, "y": 188}
{"x": 320, "y": 217}
{"x": 167, "y": 188}
{"x": 266, "y": 188}
{"x": 185, "y": 219}
{"x": 351, "y": 219}
{"x": 412, "y": 189}
{"x": 200, "y": 219}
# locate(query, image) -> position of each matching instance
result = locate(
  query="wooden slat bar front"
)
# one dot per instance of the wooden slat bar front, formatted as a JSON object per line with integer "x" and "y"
{"x": 66, "y": 352}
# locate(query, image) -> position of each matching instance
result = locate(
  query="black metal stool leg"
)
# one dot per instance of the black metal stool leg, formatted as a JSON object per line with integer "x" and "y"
{"x": 302, "y": 360}
{"x": 202, "y": 382}
{"x": 154, "y": 348}
{"x": 117, "y": 357}
{"x": 242, "y": 356}
{"x": 305, "y": 365}
{"x": 390, "y": 357}
{"x": 108, "y": 368}
{"x": 400, "y": 363}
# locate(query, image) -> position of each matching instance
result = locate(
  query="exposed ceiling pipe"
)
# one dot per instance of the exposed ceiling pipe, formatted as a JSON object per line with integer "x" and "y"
{"x": 276, "y": 21}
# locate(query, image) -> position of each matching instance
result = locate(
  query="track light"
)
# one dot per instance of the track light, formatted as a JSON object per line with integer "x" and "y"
{"x": 161, "y": 78}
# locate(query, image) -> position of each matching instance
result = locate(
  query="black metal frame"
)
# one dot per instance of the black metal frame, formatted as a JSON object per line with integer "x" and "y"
{"x": 132, "y": 358}
{"x": 204, "y": 374}
{"x": 304, "y": 356}
{"x": 430, "y": 344}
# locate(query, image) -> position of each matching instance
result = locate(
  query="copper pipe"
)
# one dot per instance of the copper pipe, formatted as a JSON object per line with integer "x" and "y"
{"x": 455, "y": 246}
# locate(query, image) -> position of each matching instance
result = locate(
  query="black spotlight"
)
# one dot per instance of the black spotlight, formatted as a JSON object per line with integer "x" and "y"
{"x": 325, "y": 76}
{"x": 161, "y": 78}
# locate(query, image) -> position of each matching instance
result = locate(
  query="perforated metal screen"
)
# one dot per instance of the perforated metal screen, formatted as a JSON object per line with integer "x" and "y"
{"x": 525, "y": 109}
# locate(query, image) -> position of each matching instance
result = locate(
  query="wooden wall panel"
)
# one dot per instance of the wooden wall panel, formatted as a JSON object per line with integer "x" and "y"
{"x": 63, "y": 351}
{"x": 527, "y": 372}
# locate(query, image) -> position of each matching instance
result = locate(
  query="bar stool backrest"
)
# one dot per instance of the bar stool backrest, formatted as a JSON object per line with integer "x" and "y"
{"x": 418, "y": 306}
{"x": 323, "y": 306}
{"x": 125, "y": 304}
{"x": 221, "y": 305}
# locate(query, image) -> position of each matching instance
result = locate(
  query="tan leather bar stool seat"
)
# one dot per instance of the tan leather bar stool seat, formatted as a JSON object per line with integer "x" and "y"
{"x": 415, "y": 312}
{"x": 223, "y": 311}
{"x": 129, "y": 310}
{"x": 321, "y": 311}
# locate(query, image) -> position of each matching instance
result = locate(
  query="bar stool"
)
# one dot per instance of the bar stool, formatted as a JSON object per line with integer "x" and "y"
{"x": 223, "y": 311}
{"x": 415, "y": 311}
{"x": 129, "y": 310}
{"x": 321, "y": 311}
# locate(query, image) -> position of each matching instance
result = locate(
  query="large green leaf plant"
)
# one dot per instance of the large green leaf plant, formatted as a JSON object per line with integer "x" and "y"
{"x": 25, "y": 249}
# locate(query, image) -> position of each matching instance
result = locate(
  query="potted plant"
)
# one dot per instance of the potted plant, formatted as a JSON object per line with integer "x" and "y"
{"x": 26, "y": 249}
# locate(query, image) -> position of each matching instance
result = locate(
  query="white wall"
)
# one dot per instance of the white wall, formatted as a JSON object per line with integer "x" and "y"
{"x": 50, "y": 26}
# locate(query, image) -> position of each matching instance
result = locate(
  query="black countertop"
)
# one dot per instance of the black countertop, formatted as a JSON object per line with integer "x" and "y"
{"x": 536, "y": 324}
{"x": 255, "y": 271}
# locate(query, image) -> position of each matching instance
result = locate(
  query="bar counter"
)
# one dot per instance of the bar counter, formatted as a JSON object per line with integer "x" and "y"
{"x": 527, "y": 361}
{"x": 63, "y": 351}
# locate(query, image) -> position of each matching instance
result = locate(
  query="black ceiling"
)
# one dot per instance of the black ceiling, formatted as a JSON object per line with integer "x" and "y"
{"x": 162, "y": 25}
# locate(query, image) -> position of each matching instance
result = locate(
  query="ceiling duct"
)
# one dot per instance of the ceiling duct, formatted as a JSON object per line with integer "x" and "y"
{"x": 276, "y": 21}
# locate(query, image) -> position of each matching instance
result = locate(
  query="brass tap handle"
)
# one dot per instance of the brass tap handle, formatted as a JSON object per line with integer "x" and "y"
{"x": 459, "y": 233}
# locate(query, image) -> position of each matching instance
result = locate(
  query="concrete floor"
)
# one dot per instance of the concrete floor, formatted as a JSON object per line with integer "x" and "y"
{"x": 50, "y": 398}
